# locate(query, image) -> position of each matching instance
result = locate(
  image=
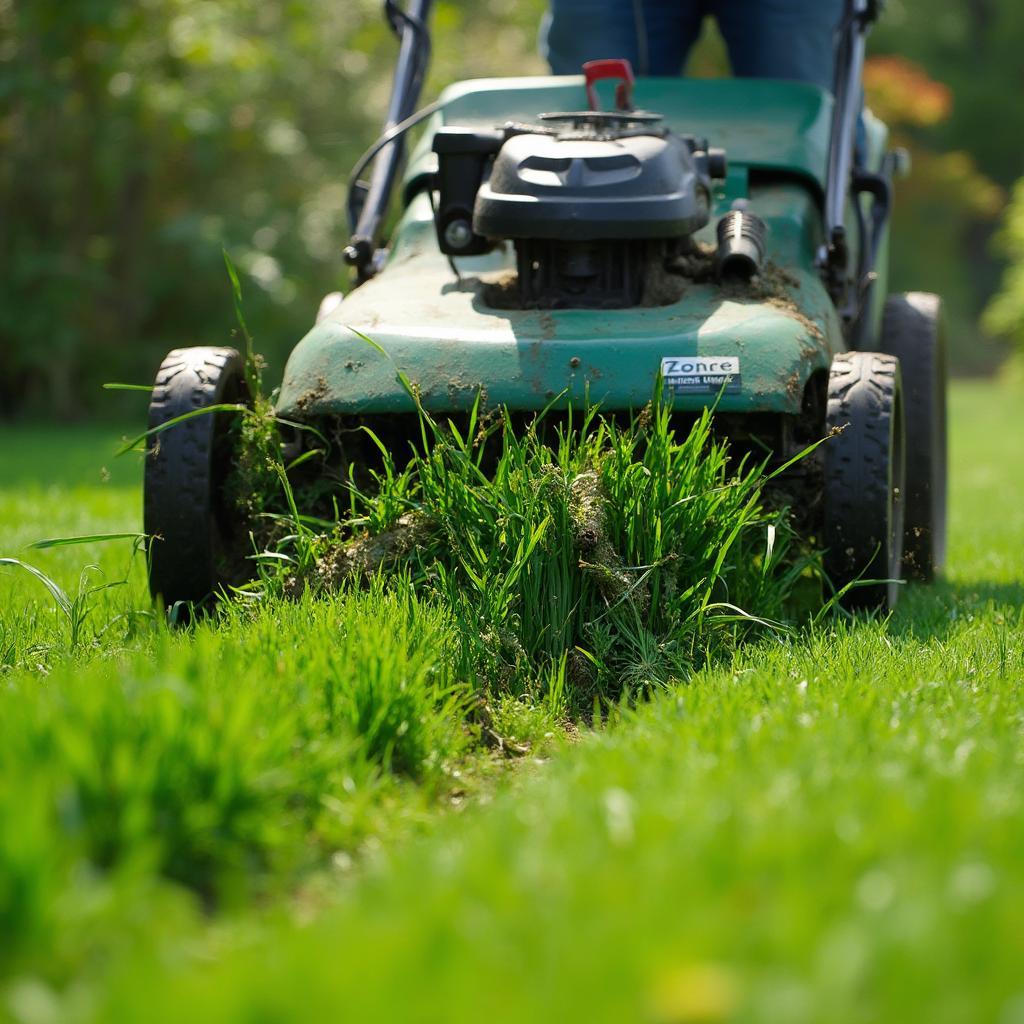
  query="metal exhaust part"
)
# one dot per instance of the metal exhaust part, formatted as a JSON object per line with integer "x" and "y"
{"x": 741, "y": 244}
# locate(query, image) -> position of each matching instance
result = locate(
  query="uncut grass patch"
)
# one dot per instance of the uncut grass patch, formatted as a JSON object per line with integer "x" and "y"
{"x": 589, "y": 558}
{"x": 208, "y": 768}
{"x": 796, "y": 811}
{"x": 225, "y": 763}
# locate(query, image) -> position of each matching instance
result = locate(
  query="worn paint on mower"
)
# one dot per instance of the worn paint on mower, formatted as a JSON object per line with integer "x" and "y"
{"x": 548, "y": 260}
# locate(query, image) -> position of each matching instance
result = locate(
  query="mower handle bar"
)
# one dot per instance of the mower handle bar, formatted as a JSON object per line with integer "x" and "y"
{"x": 858, "y": 16}
{"x": 413, "y": 56}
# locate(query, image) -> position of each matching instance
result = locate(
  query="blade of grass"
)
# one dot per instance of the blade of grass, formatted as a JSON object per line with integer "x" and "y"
{"x": 222, "y": 407}
{"x": 62, "y": 599}
{"x": 93, "y": 538}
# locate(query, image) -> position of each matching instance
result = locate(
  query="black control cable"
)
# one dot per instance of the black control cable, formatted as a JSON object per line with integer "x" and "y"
{"x": 394, "y": 132}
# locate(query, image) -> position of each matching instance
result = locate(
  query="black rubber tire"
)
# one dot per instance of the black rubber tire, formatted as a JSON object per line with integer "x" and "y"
{"x": 864, "y": 479}
{"x": 912, "y": 331}
{"x": 193, "y": 535}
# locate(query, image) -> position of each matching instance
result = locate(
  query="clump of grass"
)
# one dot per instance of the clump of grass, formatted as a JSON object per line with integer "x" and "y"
{"x": 253, "y": 485}
{"x": 626, "y": 553}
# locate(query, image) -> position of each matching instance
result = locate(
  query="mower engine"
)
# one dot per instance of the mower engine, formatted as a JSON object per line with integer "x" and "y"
{"x": 592, "y": 200}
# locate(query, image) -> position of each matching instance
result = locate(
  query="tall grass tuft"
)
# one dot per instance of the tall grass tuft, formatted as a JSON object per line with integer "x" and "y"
{"x": 626, "y": 552}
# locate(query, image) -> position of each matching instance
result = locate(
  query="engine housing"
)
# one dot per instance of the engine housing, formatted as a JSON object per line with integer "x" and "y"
{"x": 591, "y": 200}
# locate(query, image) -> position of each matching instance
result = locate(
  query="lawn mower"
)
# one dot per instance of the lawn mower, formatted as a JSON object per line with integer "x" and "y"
{"x": 565, "y": 241}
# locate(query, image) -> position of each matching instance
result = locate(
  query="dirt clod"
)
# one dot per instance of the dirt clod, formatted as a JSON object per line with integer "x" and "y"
{"x": 365, "y": 556}
{"x": 772, "y": 286}
{"x": 597, "y": 557}
{"x": 314, "y": 395}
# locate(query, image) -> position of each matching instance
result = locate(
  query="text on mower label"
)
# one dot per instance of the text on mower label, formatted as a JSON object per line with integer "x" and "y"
{"x": 689, "y": 374}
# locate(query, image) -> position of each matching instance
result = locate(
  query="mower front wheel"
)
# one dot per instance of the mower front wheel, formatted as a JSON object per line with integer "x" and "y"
{"x": 864, "y": 480}
{"x": 193, "y": 533}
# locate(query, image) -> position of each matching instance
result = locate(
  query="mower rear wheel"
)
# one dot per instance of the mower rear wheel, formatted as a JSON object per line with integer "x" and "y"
{"x": 193, "y": 533}
{"x": 864, "y": 479}
{"x": 912, "y": 331}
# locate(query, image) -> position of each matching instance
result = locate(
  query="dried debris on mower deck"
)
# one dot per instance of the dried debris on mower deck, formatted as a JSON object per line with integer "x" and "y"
{"x": 666, "y": 281}
{"x": 774, "y": 286}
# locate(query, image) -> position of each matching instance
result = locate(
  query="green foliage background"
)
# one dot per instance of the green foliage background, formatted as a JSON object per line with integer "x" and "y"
{"x": 137, "y": 138}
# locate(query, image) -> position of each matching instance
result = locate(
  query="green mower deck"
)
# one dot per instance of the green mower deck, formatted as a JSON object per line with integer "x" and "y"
{"x": 442, "y": 334}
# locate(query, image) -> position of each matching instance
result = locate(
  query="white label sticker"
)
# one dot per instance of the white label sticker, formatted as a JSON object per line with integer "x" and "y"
{"x": 687, "y": 375}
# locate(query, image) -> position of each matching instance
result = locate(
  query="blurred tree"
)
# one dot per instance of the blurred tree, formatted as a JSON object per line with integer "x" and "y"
{"x": 973, "y": 48}
{"x": 945, "y": 196}
{"x": 140, "y": 137}
{"x": 1005, "y": 313}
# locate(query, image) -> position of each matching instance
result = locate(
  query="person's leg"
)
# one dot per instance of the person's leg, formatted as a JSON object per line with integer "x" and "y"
{"x": 653, "y": 35}
{"x": 791, "y": 39}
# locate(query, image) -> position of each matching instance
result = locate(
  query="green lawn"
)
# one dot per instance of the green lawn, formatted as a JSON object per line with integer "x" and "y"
{"x": 828, "y": 828}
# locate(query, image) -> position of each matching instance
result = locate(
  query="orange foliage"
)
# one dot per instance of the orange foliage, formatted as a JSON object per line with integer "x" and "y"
{"x": 901, "y": 92}
{"x": 903, "y": 95}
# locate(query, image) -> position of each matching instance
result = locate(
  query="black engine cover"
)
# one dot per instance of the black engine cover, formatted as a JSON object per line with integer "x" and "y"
{"x": 572, "y": 188}
{"x": 593, "y": 200}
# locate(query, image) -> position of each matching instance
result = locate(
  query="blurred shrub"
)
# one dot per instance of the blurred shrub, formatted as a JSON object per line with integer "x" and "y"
{"x": 1005, "y": 313}
{"x": 138, "y": 138}
{"x": 971, "y": 47}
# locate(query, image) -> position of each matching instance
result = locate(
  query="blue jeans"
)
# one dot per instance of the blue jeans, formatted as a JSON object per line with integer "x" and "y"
{"x": 766, "y": 38}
